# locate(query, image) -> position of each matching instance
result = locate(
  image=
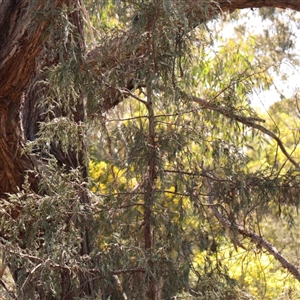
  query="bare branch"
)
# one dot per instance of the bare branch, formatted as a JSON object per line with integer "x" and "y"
{"x": 200, "y": 174}
{"x": 128, "y": 93}
{"x": 232, "y": 5}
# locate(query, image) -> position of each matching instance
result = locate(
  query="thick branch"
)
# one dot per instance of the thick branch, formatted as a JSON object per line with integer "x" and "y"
{"x": 226, "y": 5}
{"x": 194, "y": 10}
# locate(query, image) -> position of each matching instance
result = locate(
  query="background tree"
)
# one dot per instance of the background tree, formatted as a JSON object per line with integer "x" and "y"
{"x": 171, "y": 176}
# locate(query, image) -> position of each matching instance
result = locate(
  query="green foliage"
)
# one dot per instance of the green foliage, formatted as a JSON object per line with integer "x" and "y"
{"x": 283, "y": 119}
{"x": 183, "y": 119}
{"x": 185, "y": 137}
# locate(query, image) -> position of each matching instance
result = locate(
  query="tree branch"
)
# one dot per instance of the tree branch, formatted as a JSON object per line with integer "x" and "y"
{"x": 232, "y": 5}
{"x": 248, "y": 121}
{"x": 255, "y": 238}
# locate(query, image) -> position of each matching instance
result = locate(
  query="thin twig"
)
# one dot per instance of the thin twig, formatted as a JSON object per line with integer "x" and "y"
{"x": 127, "y": 93}
{"x": 29, "y": 275}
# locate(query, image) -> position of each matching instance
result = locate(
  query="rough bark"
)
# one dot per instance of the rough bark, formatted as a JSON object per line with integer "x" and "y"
{"x": 21, "y": 37}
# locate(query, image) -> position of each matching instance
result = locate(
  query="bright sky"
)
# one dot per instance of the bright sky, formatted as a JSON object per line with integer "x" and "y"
{"x": 263, "y": 100}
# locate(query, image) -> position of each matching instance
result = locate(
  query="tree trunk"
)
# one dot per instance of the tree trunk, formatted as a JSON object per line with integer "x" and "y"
{"x": 17, "y": 60}
{"x": 22, "y": 38}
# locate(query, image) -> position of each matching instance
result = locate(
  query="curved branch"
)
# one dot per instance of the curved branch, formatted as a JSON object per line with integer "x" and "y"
{"x": 226, "y": 5}
{"x": 194, "y": 9}
{"x": 248, "y": 121}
